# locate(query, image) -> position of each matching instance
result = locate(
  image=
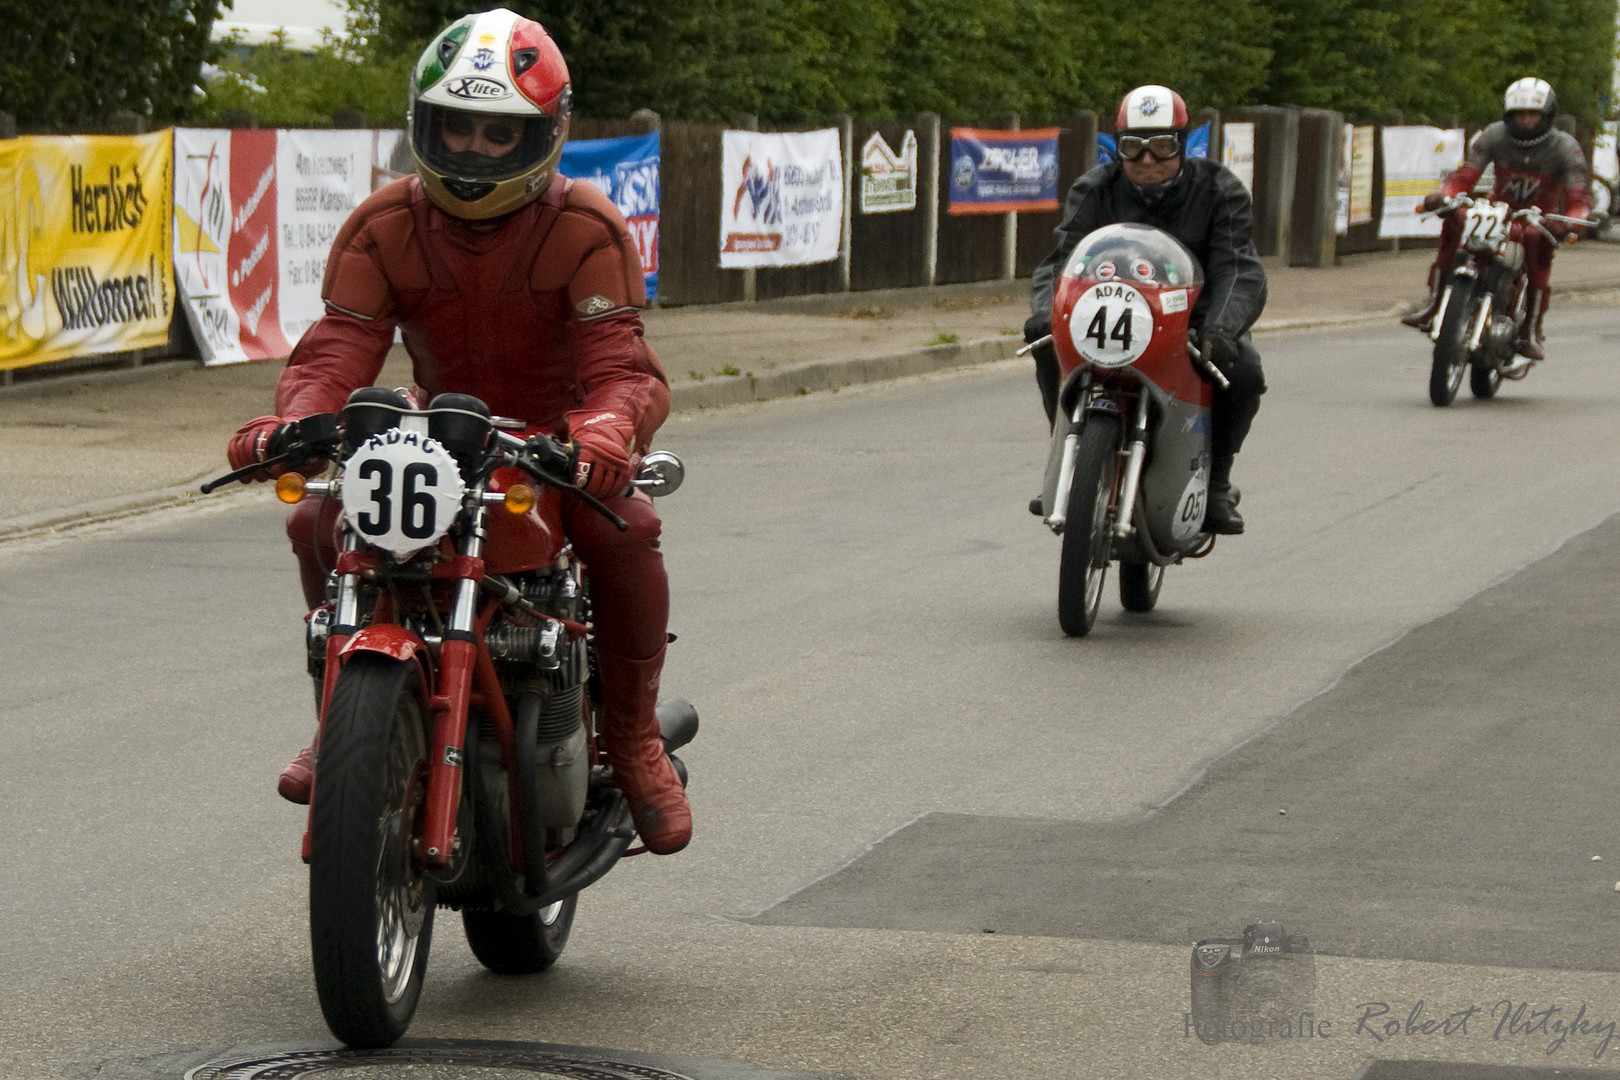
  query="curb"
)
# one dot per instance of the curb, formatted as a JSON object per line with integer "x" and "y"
{"x": 821, "y": 375}
{"x": 48, "y": 522}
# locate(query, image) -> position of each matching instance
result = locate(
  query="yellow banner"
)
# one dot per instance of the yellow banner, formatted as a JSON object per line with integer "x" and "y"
{"x": 85, "y": 263}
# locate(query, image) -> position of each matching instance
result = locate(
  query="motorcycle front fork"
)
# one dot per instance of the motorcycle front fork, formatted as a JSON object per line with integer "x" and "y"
{"x": 1135, "y": 457}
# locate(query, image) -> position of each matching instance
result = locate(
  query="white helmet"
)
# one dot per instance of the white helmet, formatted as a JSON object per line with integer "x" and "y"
{"x": 489, "y": 107}
{"x": 1529, "y": 94}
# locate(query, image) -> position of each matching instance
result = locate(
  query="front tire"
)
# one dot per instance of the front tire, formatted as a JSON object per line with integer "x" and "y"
{"x": 1087, "y": 529}
{"x": 1450, "y": 347}
{"x": 1139, "y": 585}
{"x": 510, "y": 944}
{"x": 370, "y": 904}
{"x": 1485, "y": 377}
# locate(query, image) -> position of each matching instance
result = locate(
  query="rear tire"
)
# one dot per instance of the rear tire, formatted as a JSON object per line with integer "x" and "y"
{"x": 1087, "y": 529}
{"x": 510, "y": 944}
{"x": 1450, "y": 348}
{"x": 1139, "y": 585}
{"x": 370, "y": 905}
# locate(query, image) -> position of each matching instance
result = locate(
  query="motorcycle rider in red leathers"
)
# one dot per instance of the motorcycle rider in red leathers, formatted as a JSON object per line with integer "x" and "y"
{"x": 518, "y": 286}
{"x": 1536, "y": 165}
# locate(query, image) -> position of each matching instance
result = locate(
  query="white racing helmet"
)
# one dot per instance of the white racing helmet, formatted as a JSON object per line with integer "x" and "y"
{"x": 489, "y": 107}
{"x": 1529, "y": 94}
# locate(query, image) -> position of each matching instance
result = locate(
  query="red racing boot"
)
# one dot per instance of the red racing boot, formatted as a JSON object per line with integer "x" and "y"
{"x": 629, "y": 727}
{"x": 298, "y": 777}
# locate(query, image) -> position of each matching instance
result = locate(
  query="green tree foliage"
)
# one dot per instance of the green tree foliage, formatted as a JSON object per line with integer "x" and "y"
{"x": 283, "y": 87}
{"x": 800, "y": 60}
{"x": 72, "y": 63}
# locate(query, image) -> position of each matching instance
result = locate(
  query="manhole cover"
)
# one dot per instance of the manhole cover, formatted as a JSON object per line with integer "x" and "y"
{"x": 424, "y": 1063}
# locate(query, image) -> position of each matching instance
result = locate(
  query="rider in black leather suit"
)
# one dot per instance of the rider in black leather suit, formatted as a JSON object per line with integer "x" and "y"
{"x": 1204, "y": 206}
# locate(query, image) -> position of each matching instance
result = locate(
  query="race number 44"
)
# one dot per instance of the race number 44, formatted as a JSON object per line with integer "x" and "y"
{"x": 1111, "y": 324}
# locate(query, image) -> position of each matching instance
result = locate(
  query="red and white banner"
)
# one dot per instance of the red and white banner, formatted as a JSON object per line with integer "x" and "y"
{"x": 255, "y": 216}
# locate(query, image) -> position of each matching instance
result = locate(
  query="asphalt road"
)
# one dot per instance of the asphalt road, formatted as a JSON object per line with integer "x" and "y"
{"x": 936, "y": 838}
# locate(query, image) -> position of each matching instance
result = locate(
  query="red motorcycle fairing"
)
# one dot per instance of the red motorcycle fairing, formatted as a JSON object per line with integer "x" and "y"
{"x": 1123, "y": 304}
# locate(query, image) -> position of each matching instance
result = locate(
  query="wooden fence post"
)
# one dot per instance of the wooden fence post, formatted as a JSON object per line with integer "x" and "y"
{"x": 749, "y": 122}
{"x": 1009, "y": 240}
{"x": 928, "y": 187}
{"x": 846, "y": 137}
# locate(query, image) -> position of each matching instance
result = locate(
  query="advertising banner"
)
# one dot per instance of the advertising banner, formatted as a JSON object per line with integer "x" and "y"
{"x": 781, "y": 198}
{"x": 255, "y": 215}
{"x": 84, "y": 253}
{"x": 1355, "y": 178}
{"x": 626, "y": 169}
{"x": 1237, "y": 151}
{"x": 1416, "y": 160}
{"x": 993, "y": 172}
{"x": 888, "y": 179}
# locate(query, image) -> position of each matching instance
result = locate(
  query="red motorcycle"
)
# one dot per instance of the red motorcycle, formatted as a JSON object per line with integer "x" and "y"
{"x": 1127, "y": 474}
{"x": 458, "y": 762}
{"x": 1484, "y": 295}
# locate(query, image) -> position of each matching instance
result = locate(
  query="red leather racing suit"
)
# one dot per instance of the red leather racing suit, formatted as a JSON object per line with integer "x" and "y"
{"x": 535, "y": 315}
{"x": 1549, "y": 172}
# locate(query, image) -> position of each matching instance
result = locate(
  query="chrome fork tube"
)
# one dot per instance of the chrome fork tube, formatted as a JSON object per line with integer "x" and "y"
{"x": 1135, "y": 456}
{"x": 464, "y": 613}
{"x": 1481, "y": 321}
{"x": 347, "y": 615}
{"x": 1060, "y": 499}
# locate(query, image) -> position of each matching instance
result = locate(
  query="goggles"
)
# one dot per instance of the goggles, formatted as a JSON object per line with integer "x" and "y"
{"x": 1162, "y": 147}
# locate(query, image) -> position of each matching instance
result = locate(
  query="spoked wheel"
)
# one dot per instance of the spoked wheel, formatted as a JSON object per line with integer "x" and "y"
{"x": 1451, "y": 346}
{"x": 370, "y": 905}
{"x": 510, "y": 944}
{"x": 1139, "y": 585}
{"x": 1087, "y": 543}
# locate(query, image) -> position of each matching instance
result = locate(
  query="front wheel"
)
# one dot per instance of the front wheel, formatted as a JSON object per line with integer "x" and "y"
{"x": 510, "y": 944}
{"x": 1451, "y": 344}
{"x": 1139, "y": 585}
{"x": 1087, "y": 542}
{"x": 370, "y": 904}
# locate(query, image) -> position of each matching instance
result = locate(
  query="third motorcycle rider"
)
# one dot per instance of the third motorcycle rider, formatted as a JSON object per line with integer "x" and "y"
{"x": 1536, "y": 165}
{"x": 1207, "y": 208}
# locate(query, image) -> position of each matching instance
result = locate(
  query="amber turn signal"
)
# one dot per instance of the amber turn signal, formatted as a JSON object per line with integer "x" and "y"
{"x": 290, "y": 487}
{"x": 519, "y": 499}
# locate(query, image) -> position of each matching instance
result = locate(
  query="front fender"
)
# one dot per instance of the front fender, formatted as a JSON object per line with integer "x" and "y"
{"x": 396, "y": 643}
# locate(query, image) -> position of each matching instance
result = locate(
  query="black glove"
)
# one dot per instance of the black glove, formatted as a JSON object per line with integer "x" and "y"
{"x": 1221, "y": 349}
{"x": 312, "y": 438}
{"x": 1037, "y": 327}
{"x": 1433, "y": 201}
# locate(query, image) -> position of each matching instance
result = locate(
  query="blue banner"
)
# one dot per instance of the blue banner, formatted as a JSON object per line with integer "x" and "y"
{"x": 1197, "y": 144}
{"x": 627, "y": 170}
{"x": 993, "y": 172}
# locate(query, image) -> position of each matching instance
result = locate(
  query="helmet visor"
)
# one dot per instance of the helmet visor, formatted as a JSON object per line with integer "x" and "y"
{"x": 478, "y": 146}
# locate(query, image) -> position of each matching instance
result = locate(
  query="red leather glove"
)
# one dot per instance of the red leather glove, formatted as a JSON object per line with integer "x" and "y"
{"x": 602, "y": 439}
